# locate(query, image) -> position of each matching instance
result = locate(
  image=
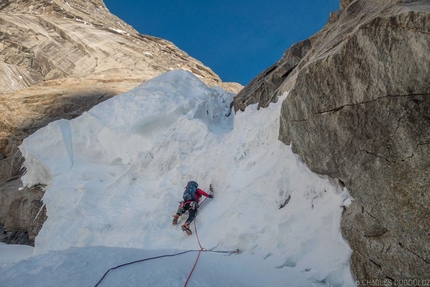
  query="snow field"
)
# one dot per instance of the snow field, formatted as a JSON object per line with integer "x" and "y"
{"x": 115, "y": 176}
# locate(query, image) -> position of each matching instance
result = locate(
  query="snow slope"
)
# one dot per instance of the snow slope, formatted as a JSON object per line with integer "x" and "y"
{"x": 13, "y": 253}
{"x": 115, "y": 175}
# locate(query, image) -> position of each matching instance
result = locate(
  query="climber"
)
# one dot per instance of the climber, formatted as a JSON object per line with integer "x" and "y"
{"x": 191, "y": 198}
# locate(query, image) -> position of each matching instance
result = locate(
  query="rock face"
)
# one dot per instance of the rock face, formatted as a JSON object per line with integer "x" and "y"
{"x": 60, "y": 58}
{"x": 264, "y": 88}
{"x": 67, "y": 51}
{"x": 359, "y": 110}
{"x": 22, "y": 213}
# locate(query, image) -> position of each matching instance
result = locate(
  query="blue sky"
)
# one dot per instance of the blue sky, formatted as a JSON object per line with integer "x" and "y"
{"x": 237, "y": 39}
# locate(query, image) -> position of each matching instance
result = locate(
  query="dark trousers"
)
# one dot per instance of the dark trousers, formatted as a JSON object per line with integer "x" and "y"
{"x": 191, "y": 207}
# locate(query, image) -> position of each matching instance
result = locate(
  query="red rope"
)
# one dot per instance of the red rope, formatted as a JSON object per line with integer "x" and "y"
{"x": 192, "y": 270}
{"x": 198, "y": 240}
{"x": 198, "y": 256}
{"x": 197, "y": 236}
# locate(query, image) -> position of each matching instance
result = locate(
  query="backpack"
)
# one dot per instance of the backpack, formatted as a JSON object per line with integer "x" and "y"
{"x": 190, "y": 191}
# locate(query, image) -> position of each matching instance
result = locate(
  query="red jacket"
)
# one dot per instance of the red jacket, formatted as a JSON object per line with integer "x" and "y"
{"x": 199, "y": 193}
